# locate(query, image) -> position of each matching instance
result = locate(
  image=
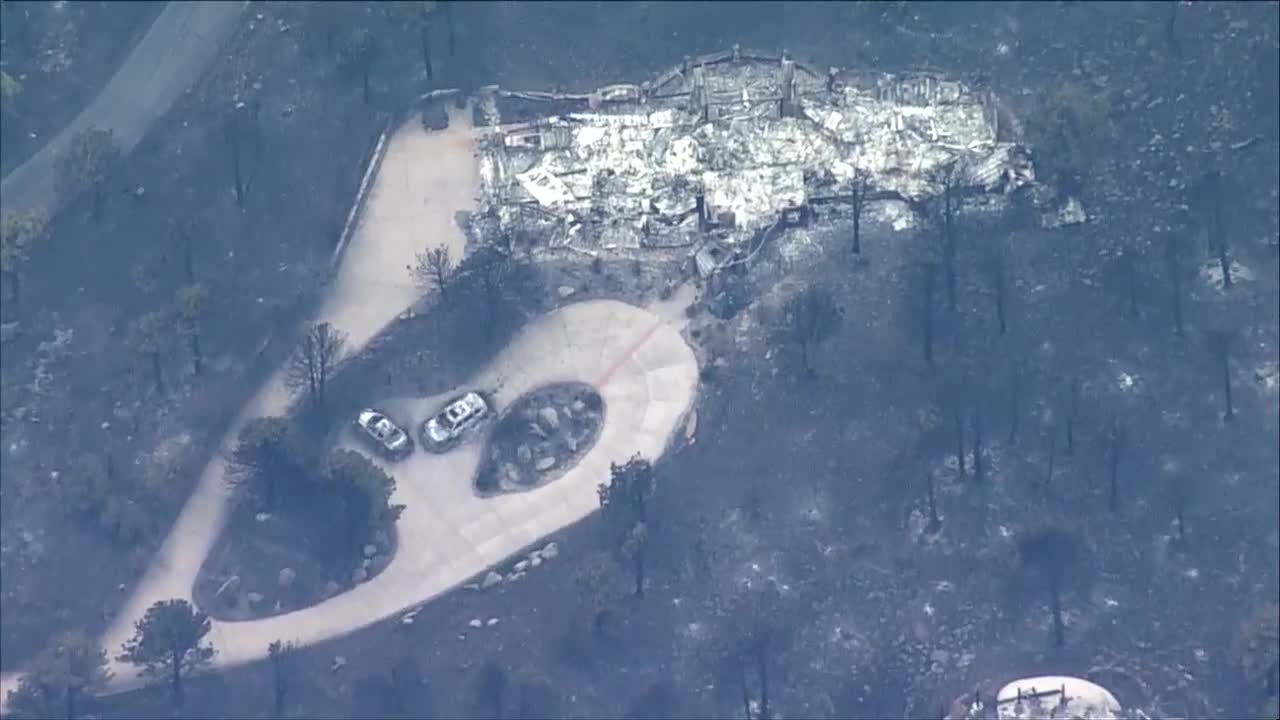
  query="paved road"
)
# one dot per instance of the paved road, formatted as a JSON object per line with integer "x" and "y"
{"x": 181, "y": 43}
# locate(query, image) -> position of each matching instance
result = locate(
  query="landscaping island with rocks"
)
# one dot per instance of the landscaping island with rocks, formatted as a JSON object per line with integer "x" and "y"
{"x": 540, "y": 436}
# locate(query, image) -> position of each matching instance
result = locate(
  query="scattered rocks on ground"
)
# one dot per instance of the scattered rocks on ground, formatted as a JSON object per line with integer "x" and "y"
{"x": 535, "y": 561}
{"x": 565, "y": 291}
{"x": 370, "y": 550}
{"x": 409, "y": 617}
{"x": 332, "y": 588}
{"x": 254, "y": 598}
{"x": 359, "y": 575}
{"x": 521, "y": 566}
{"x": 492, "y": 622}
{"x": 544, "y": 464}
{"x": 475, "y": 623}
{"x": 287, "y": 576}
{"x": 339, "y": 662}
{"x": 262, "y": 517}
{"x": 523, "y": 453}
{"x": 550, "y": 417}
{"x": 550, "y": 551}
{"x": 514, "y": 576}
{"x": 490, "y": 579}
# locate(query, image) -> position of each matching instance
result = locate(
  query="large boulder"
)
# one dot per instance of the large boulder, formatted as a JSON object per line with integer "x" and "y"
{"x": 490, "y": 579}
{"x": 286, "y": 577}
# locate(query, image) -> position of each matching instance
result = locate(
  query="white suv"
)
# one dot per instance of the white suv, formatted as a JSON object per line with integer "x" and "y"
{"x": 456, "y": 418}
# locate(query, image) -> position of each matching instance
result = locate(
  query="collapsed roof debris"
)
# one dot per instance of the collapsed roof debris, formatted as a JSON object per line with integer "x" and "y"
{"x": 725, "y": 146}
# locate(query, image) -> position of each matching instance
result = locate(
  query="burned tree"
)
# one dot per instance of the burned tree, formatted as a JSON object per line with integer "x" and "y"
{"x": 995, "y": 261}
{"x": 280, "y": 654}
{"x": 151, "y": 335}
{"x": 624, "y": 501}
{"x": 1220, "y": 342}
{"x": 446, "y": 7}
{"x": 90, "y": 160}
{"x": 1115, "y": 445}
{"x": 1209, "y": 191}
{"x": 857, "y": 202}
{"x": 1050, "y": 555}
{"x": 1175, "y": 260}
{"x": 491, "y": 687}
{"x": 757, "y": 632}
{"x": 1071, "y": 406}
{"x": 434, "y": 270}
{"x": 945, "y": 227}
{"x": 70, "y": 668}
{"x": 18, "y": 233}
{"x": 929, "y": 278}
{"x": 812, "y": 315}
{"x": 183, "y": 235}
{"x": 231, "y": 132}
{"x": 313, "y": 361}
{"x": 359, "y": 51}
{"x": 192, "y": 301}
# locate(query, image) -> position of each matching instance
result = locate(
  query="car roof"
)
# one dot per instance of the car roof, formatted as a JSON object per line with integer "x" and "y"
{"x": 368, "y": 414}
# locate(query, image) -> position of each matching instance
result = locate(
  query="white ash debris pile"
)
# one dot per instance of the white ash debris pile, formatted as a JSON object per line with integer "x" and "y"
{"x": 727, "y": 145}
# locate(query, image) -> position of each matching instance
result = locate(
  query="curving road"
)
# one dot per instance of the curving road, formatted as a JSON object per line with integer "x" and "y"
{"x": 182, "y": 41}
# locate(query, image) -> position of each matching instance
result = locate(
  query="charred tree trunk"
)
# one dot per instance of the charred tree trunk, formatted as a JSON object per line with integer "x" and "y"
{"x": 1173, "y": 254}
{"x": 197, "y": 359}
{"x": 1131, "y": 280}
{"x": 1073, "y": 402}
{"x": 447, "y": 8}
{"x": 1220, "y": 239}
{"x": 978, "y": 466}
{"x": 96, "y": 210}
{"x": 1055, "y": 606}
{"x": 762, "y": 667}
{"x": 176, "y": 678}
{"x": 639, "y": 568}
{"x": 999, "y": 283}
{"x": 1053, "y": 452}
{"x": 1015, "y": 408}
{"x": 935, "y": 523}
{"x": 959, "y": 429}
{"x": 1224, "y": 364}
{"x": 930, "y": 275}
{"x": 156, "y": 371}
{"x": 1113, "y": 467}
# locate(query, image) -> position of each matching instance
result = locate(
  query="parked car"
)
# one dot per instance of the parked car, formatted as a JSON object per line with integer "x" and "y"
{"x": 388, "y": 436}
{"x": 457, "y": 417}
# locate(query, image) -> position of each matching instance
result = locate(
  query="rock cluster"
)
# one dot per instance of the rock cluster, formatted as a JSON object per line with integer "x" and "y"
{"x": 540, "y": 435}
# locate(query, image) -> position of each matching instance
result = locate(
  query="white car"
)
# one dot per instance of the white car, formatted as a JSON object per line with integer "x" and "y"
{"x": 455, "y": 419}
{"x": 389, "y": 437}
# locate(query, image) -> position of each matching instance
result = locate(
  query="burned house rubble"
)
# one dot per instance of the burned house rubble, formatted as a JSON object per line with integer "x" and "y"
{"x": 711, "y": 155}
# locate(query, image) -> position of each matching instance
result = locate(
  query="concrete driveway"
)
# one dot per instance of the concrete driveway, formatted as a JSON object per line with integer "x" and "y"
{"x": 636, "y": 358}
